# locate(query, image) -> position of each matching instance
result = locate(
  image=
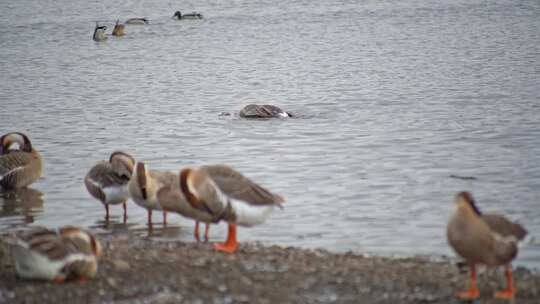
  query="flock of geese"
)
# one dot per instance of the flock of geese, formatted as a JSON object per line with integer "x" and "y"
{"x": 207, "y": 194}
{"x": 119, "y": 28}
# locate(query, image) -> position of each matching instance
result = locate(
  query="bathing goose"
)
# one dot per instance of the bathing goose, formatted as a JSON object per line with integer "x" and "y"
{"x": 144, "y": 186}
{"x": 194, "y": 15}
{"x": 18, "y": 167}
{"x": 68, "y": 253}
{"x": 221, "y": 193}
{"x": 486, "y": 239}
{"x": 263, "y": 111}
{"x": 107, "y": 181}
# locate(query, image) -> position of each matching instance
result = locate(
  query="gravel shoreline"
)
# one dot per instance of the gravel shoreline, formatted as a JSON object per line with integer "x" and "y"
{"x": 141, "y": 270}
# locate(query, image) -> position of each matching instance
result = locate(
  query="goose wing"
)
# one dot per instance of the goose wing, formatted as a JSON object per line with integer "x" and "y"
{"x": 504, "y": 227}
{"x": 239, "y": 187}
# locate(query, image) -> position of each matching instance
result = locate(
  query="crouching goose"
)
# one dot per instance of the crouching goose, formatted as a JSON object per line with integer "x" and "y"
{"x": 486, "y": 239}
{"x": 214, "y": 193}
{"x": 18, "y": 167}
{"x": 145, "y": 185}
{"x": 68, "y": 253}
{"x": 107, "y": 181}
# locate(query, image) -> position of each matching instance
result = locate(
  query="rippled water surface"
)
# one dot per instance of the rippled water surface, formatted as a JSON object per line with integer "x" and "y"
{"x": 392, "y": 97}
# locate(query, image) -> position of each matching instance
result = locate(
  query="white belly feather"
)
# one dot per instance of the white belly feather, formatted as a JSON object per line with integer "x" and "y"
{"x": 250, "y": 215}
{"x": 116, "y": 194}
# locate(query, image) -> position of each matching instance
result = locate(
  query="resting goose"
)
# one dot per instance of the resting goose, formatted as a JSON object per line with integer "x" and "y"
{"x": 218, "y": 192}
{"x": 18, "y": 167}
{"x": 118, "y": 29}
{"x": 68, "y": 253}
{"x": 145, "y": 185}
{"x": 486, "y": 239}
{"x": 107, "y": 181}
{"x": 140, "y": 21}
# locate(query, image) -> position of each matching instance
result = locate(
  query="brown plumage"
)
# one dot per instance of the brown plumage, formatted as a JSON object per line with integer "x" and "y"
{"x": 18, "y": 168}
{"x": 63, "y": 254}
{"x": 107, "y": 181}
{"x": 485, "y": 239}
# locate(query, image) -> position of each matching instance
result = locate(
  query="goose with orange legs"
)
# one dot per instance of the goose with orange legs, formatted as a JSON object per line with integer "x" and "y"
{"x": 68, "y": 253}
{"x": 18, "y": 167}
{"x": 214, "y": 193}
{"x": 145, "y": 185}
{"x": 107, "y": 181}
{"x": 483, "y": 239}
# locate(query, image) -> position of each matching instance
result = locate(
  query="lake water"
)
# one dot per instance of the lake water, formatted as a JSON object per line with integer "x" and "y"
{"x": 392, "y": 98}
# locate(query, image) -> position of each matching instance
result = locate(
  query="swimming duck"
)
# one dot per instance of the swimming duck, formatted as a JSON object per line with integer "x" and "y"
{"x": 145, "y": 185}
{"x": 107, "y": 181}
{"x": 263, "y": 111}
{"x": 194, "y": 15}
{"x": 118, "y": 29}
{"x": 68, "y": 253}
{"x": 487, "y": 239}
{"x": 137, "y": 21}
{"x": 18, "y": 167}
{"x": 99, "y": 33}
{"x": 218, "y": 192}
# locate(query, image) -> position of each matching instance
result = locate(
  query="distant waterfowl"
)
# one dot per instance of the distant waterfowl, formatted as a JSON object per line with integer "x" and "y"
{"x": 486, "y": 239}
{"x": 218, "y": 192}
{"x": 18, "y": 167}
{"x": 68, "y": 253}
{"x": 145, "y": 185}
{"x": 107, "y": 181}
{"x": 139, "y": 21}
{"x": 194, "y": 15}
{"x": 118, "y": 29}
{"x": 263, "y": 111}
{"x": 99, "y": 33}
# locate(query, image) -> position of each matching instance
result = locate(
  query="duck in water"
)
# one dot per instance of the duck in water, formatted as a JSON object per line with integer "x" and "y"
{"x": 140, "y": 21}
{"x": 194, "y": 15}
{"x": 118, "y": 29}
{"x": 99, "y": 33}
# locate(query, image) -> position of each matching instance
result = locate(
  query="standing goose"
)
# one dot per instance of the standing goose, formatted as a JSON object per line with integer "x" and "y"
{"x": 218, "y": 192}
{"x": 107, "y": 181}
{"x": 18, "y": 168}
{"x": 66, "y": 254}
{"x": 144, "y": 186}
{"x": 487, "y": 239}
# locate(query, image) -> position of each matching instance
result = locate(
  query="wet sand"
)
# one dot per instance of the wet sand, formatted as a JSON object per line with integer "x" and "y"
{"x": 141, "y": 270}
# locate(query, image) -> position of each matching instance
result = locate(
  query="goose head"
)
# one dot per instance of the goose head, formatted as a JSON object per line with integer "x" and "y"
{"x": 19, "y": 138}
{"x": 122, "y": 164}
{"x": 465, "y": 201}
{"x": 178, "y": 15}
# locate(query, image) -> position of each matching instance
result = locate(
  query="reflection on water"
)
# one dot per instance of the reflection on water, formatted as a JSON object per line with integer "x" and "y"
{"x": 21, "y": 206}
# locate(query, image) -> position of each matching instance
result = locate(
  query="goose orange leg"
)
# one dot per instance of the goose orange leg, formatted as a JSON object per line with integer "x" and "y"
{"x": 510, "y": 291}
{"x": 472, "y": 292}
{"x": 196, "y": 232}
{"x": 125, "y": 211}
{"x": 230, "y": 244}
{"x": 206, "y": 230}
{"x": 106, "y": 212}
{"x": 150, "y": 217}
